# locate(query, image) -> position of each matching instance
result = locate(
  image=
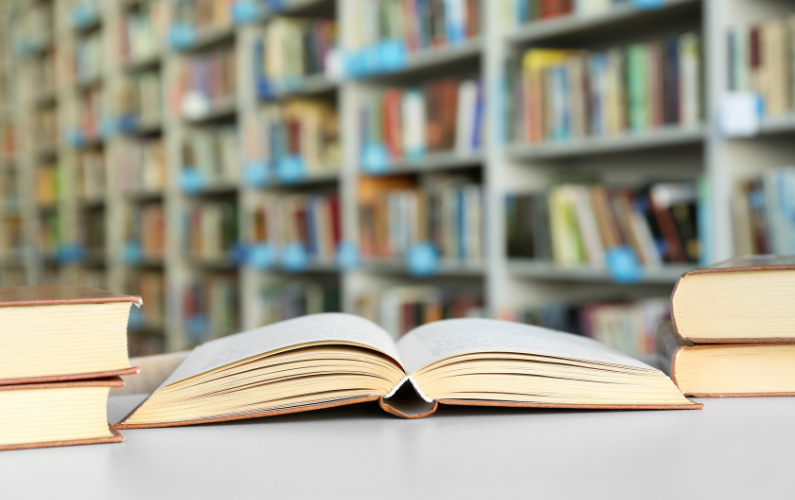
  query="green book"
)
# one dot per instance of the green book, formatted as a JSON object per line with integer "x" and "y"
{"x": 637, "y": 87}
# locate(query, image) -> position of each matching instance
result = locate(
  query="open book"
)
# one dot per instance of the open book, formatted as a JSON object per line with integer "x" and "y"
{"x": 334, "y": 359}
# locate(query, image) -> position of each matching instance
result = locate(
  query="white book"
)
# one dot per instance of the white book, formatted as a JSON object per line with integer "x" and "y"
{"x": 465, "y": 116}
{"x": 690, "y": 79}
{"x": 414, "y": 123}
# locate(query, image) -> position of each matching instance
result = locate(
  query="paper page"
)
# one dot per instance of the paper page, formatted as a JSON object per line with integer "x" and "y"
{"x": 327, "y": 327}
{"x": 441, "y": 339}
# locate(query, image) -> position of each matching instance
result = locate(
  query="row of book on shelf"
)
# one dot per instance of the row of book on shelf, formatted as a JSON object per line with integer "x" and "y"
{"x": 563, "y": 94}
{"x": 204, "y": 80}
{"x": 417, "y": 24}
{"x": 143, "y": 30}
{"x": 760, "y": 59}
{"x": 518, "y": 12}
{"x": 405, "y": 123}
{"x": 397, "y": 213}
{"x": 578, "y": 224}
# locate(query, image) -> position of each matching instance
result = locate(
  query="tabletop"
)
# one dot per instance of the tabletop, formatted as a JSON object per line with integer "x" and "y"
{"x": 733, "y": 448}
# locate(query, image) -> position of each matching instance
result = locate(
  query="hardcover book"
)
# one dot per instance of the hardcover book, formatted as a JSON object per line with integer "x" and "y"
{"x": 57, "y": 333}
{"x": 727, "y": 370}
{"x": 56, "y": 414}
{"x": 334, "y": 359}
{"x": 744, "y": 300}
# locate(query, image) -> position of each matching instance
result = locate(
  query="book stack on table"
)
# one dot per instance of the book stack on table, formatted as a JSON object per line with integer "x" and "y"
{"x": 733, "y": 329}
{"x": 61, "y": 350}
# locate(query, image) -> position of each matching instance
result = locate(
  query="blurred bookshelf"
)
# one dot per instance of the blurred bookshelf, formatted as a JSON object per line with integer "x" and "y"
{"x": 240, "y": 162}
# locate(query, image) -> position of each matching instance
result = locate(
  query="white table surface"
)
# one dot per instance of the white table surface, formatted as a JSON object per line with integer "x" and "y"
{"x": 734, "y": 448}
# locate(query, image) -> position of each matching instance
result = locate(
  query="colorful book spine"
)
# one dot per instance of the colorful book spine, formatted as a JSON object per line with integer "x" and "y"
{"x": 205, "y": 79}
{"x": 764, "y": 214}
{"x": 292, "y": 49}
{"x": 147, "y": 230}
{"x": 309, "y": 221}
{"x": 141, "y": 97}
{"x": 211, "y": 231}
{"x": 761, "y": 59}
{"x": 395, "y": 215}
{"x": 559, "y": 95}
{"x": 578, "y": 225}
{"x": 300, "y": 130}
{"x": 441, "y": 116}
{"x": 418, "y": 24}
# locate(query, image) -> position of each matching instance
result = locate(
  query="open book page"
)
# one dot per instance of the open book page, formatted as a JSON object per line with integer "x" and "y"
{"x": 441, "y": 339}
{"x": 325, "y": 328}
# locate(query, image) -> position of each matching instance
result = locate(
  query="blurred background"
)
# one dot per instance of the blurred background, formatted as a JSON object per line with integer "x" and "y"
{"x": 238, "y": 163}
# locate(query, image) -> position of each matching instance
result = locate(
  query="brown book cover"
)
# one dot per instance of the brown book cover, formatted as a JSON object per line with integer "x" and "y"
{"x": 115, "y": 437}
{"x": 746, "y": 264}
{"x": 670, "y": 345}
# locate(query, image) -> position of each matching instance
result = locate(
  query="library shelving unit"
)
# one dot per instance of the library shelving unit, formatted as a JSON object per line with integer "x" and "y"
{"x": 224, "y": 279}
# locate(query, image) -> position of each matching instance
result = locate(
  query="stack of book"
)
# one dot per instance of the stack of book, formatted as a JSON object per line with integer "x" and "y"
{"x": 733, "y": 329}
{"x": 303, "y": 129}
{"x": 396, "y": 214}
{"x": 626, "y": 326}
{"x": 560, "y": 95}
{"x": 309, "y": 220}
{"x": 418, "y": 24}
{"x": 441, "y": 116}
{"x": 61, "y": 350}
{"x": 292, "y": 49}
{"x": 576, "y": 224}
{"x": 764, "y": 214}
{"x": 761, "y": 61}
{"x": 403, "y": 308}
